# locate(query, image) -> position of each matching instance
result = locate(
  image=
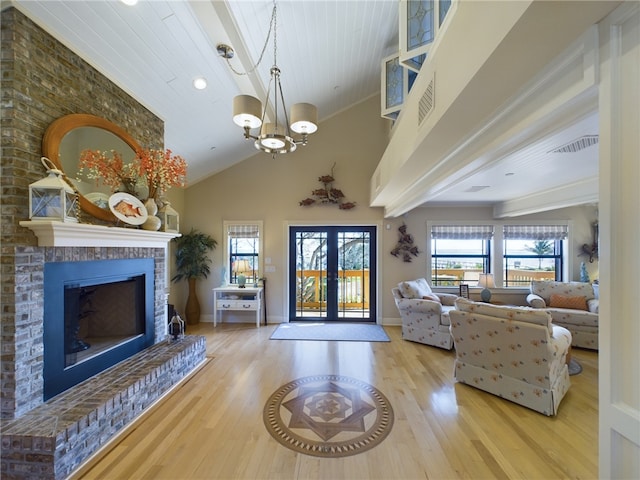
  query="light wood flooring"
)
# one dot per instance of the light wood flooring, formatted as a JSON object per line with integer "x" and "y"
{"x": 211, "y": 426}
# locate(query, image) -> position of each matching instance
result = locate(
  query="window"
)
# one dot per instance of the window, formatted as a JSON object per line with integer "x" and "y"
{"x": 243, "y": 241}
{"x": 515, "y": 254}
{"x": 532, "y": 252}
{"x": 460, "y": 253}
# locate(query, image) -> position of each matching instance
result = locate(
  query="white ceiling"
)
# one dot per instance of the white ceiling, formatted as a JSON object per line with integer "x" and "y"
{"x": 329, "y": 52}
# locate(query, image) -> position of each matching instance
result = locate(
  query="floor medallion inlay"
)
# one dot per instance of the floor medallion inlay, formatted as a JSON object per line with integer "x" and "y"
{"x": 328, "y": 416}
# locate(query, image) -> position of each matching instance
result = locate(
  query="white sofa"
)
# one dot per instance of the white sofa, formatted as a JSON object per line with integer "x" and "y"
{"x": 424, "y": 313}
{"x": 513, "y": 352}
{"x": 572, "y": 305}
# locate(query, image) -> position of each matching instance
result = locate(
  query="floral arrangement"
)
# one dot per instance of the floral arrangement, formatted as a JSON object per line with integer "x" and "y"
{"x": 159, "y": 170}
{"x": 108, "y": 168}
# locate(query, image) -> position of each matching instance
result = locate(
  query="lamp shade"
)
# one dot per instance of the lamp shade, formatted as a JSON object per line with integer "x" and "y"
{"x": 240, "y": 267}
{"x": 304, "y": 118}
{"x": 247, "y": 111}
{"x": 272, "y": 136}
{"x": 486, "y": 280}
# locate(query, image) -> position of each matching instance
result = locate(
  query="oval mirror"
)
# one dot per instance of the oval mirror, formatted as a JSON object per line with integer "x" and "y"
{"x": 67, "y": 136}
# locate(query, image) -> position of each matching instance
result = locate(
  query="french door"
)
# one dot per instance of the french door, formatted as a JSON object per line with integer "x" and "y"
{"x": 332, "y": 274}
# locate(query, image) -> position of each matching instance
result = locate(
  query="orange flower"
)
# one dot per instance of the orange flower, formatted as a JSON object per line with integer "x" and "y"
{"x": 161, "y": 170}
{"x": 107, "y": 168}
{"x": 157, "y": 168}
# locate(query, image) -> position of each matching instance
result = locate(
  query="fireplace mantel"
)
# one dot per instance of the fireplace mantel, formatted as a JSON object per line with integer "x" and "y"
{"x": 66, "y": 234}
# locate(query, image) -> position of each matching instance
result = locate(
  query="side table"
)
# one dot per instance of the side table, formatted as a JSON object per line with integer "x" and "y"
{"x": 235, "y": 298}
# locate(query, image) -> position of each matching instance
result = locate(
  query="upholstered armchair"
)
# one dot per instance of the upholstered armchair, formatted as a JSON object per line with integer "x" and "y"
{"x": 424, "y": 313}
{"x": 513, "y": 352}
{"x": 572, "y": 305}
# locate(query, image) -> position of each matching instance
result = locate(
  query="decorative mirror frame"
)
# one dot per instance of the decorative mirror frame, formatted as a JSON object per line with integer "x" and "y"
{"x": 51, "y": 149}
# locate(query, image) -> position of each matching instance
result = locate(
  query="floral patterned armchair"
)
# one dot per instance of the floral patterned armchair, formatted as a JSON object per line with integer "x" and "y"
{"x": 572, "y": 305}
{"x": 424, "y": 314}
{"x": 513, "y": 352}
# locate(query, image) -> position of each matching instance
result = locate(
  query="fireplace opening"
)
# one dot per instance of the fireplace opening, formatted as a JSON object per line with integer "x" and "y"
{"x": 98, "y": 317}
{"x": 97, "y": 313}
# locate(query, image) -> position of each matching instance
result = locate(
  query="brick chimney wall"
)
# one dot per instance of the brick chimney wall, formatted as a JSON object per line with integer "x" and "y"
{"x": 43, "y": 80}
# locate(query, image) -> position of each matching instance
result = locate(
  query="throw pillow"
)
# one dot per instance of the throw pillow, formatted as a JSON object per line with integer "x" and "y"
{"x": 414, "y": 288}
{"x": 575, "y": 303}
{"x": 432, "y": 296}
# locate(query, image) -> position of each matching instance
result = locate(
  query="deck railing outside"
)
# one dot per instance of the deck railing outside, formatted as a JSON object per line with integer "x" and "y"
{"x": 353, "y": 289}
{"x": 448, "y": 277}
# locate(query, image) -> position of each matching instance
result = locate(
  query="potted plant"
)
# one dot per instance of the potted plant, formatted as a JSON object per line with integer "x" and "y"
{"x": 192, "y": 263}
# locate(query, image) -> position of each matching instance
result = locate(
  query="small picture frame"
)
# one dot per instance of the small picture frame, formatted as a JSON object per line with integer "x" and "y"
{"x": 464, "y": 291}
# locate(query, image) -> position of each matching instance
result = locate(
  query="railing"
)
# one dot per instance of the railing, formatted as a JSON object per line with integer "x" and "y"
{"x": 353, "y": 289}
{"x": 515, "y": 277}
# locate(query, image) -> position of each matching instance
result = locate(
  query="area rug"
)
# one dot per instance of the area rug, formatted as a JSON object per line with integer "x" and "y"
{"x": 346, "y": 332}
{"x": 328, "y": 416}
{"x": 574, "y": 367}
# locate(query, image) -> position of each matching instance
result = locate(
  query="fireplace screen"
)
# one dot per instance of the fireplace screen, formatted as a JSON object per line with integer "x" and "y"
{"x": 98, "y": 317}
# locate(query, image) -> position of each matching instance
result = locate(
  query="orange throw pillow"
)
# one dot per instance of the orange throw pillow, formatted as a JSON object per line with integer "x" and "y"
{"x": 576, "y": 303}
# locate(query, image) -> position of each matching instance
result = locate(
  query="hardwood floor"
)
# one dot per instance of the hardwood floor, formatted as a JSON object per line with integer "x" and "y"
{"x": 211, "y": 426}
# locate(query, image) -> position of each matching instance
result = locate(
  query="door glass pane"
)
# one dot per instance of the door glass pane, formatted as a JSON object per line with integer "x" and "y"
{"x": 311, "y": 274}
{"x": 353, "y": 274}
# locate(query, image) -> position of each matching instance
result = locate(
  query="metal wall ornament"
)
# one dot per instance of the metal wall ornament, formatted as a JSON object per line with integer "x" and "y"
{"x": 591, "y": 251}
{"x": 405, "y": 248}
{"x": 328, "y": 194}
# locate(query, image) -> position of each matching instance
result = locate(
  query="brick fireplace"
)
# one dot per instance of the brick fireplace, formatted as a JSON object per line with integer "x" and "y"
{"x": 42, "y": 81}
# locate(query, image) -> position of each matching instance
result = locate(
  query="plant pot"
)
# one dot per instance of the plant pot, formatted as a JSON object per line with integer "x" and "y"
{"x": 192, "y": 310}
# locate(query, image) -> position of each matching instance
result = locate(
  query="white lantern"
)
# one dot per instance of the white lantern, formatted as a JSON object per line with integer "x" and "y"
{"x": 169, "y": 219}
{"x": 52, "y": 198}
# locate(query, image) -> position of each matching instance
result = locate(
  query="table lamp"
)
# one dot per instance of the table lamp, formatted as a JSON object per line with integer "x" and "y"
{"x": 240, "y": 267}
{"x": 486, "y": 281}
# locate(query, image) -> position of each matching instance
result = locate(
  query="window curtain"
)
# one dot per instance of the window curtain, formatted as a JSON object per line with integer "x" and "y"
{"x": 535, "y": 232}
{"x": 462, "y": 232}
{"x": 243, "y": 231}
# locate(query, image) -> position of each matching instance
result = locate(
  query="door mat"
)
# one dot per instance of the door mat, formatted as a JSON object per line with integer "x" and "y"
{"x": 328, "y": 416}
{"x": 343, "y": 332}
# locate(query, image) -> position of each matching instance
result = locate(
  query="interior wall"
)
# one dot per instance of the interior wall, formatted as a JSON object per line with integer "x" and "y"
{"x": 270, "y": 189}
{"x": 267, "y": 189}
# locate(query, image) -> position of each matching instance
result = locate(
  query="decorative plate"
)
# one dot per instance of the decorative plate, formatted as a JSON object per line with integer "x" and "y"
{"x": 99, "y": 199}
{"x": 128, "y": 208}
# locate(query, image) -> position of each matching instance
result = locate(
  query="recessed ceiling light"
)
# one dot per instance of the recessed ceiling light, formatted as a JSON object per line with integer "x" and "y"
{"x": 200, "y": 83}
{"x": 131, "y": 3}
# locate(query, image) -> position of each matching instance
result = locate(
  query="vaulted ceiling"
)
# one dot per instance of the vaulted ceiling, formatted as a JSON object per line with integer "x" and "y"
{"x": 329, "y": 52}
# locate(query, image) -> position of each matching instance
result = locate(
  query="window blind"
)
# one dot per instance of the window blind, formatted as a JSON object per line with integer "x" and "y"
{"x": 243, "y": 231}
{"x": 462, "y": 232}
{"x": 535, "y": 232}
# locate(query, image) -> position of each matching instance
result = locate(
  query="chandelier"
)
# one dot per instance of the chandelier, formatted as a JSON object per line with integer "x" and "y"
{"x": 276, "y": 136}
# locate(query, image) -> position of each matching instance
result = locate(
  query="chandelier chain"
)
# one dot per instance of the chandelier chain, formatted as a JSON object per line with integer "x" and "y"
{"x": 272, "y": 28}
